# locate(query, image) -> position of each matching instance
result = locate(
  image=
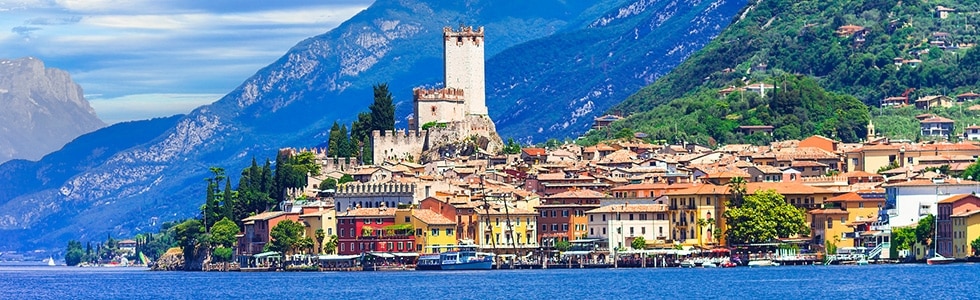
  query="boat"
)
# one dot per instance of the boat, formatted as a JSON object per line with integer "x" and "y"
{"x": 51, "y": 261}
{"x": 937, "y": 259}
{"x": 687, "y": 264}
{"x": 762, "y": 263}
{"x": 461, "y": 257}
{"x": 708, "y": 264}
{"x": 728, "y": 264}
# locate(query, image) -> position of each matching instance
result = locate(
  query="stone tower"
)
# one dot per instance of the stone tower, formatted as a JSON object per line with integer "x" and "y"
{"x": 464, "y": 66}
{"x": 871, "y": 131}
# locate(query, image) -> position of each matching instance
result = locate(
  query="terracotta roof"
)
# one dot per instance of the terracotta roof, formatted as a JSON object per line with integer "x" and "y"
{"x": 728, "y": 174}
{"x": 629, "y": 208}
{"x": 431, "y": 217}
{"x": 859, "y": 173}
{"x": 920, "y": 182}
{"x": 968, "y": 95}
{"x": 534, "y": 151}
{"x": 651, "y": 186}
{"x": 955, "y": 198}
{"x": 806, "y": 163}
{"x": 368, "y": 212}
{"x": 578, "y": 194}
{"x": 966, "y": 214}
{"x": 561, "y": 176}
{"x": 784, "y": 188}
{"x": 937, "y": 120}
{"x": 265, "y": 216}
{"x": 828, "y": 211}
{"x": 849, "y": 197}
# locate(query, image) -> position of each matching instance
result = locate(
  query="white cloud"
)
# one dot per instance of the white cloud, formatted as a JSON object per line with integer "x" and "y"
{"x": 147, "y": 106}
{"x": 151, "y": 48}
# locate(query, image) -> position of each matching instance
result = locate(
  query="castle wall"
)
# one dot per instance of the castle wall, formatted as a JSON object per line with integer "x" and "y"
{"x": 441, "y": 105}
{"x": 464, "y": 66}
{"x": 372, "y": 195}
{"x": 397, "y": 145}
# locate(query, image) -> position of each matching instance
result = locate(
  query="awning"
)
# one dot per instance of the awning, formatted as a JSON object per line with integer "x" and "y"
{"x": 267, "y": 254}
{"x": 338, "y": 257}
{"x": 406, "y": 254}
{"x": 381, "y": 254}
{"x": 577, "y": 252}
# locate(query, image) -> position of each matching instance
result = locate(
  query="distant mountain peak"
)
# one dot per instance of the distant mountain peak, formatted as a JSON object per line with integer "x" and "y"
{"x": 43, "y": 109}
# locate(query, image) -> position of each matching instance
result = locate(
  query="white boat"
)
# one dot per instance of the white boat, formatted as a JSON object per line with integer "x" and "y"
{"x": 708, "y": 264}
{"x": 762, "y": 263}
{"x": 51, "y": 261}
{"x": 940, "y": 260}
{"x": 937, "y": 259}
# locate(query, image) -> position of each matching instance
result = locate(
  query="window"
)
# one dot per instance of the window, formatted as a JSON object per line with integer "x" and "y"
{"x": 418, "y": 231}
{"x": 401, "y": 246}
{"x": 631, "y": 230}
{"x": 341, "y": 233}
{"x": 643, "y": 230}
{"x": 342, "y": 247}
{"x": 352, "y": 235}
{"x": 643, "y": 217}
{"x": 554, "y": 213}
{"x": 329, "y": 231}
{"x": 843, "y": 220}
{"x": 378, "y": 221}
{"x": 544, "y": 227}
{"x": 564, "y": 213}
{"x": 554, "y": 227}
{"x": 498, "y": 221}
{"x": 435, "y": 232}
{"x": 707, "y": 201}
{"x": 603, "y": 230}
{"x": 367, "y": 221}
{"x": 407, "y": 220}
{"x": 564, "y": 227}
{"x": 830, "y": 223}
{"x": 518, "y": 221}
{"x": 544, "y": 213}
{"x": 603, "y": 218}
{"x": 631, "y": 217}
{"x": 591, "y": 218}
{"x": 591, "y": 231}
{"x": 449, "y": 232}
{"x": 860, "y": 204}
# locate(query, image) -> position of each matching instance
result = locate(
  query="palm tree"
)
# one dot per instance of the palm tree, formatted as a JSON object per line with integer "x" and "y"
{"x": 701, "y": 224}
{"x": 319, "y": 240}
{"x": 711, "y": 229}
{"x": 737, "y": 186}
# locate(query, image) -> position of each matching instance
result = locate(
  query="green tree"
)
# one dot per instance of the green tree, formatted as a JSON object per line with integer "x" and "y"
{"x": 345, "y": 179}
{"x": 319, "y": 234}
{"x": 305, "y": 244}
{"x": 346, "y": 147}
{"x": 74, "y": 253}
{"x": 223, "y": 254}
{"x": 639, "y": 243}
{"x": 223, "y": 233}
{"x": 512, "y": 147}
{"x": 383, "y": 109}
{"x": 189, "y": 234}
{"x": 562, "y": 245}
{"x": 333, "y": 143}
{"x": 328, "y": 184}
{"x": 762, "y": 217}
{"x": 924, "y": 231}
{"x": 737, "y": 189}
{"x": 972, "y": 171}
{"x": 286, "y": 236}
{"x": 975, "y": 245}
{"x": 331, "y": 246}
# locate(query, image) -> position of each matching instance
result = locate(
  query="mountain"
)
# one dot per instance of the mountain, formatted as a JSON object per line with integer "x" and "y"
{"x": 42, "y": 109}
{"x": 289, "y": 103}
{"x": 553, "y": 87}
{"x": 543, "y": 67}
{"x": 867, "y": 49}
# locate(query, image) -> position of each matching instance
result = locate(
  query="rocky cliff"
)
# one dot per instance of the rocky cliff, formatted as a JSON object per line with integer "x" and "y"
{"x": 42, "y": 110}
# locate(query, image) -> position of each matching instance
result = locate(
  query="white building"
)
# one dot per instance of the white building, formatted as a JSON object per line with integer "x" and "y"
{"x": 620, "y": 224}
{"x": 355, "y": 195}
{"x": 908, "y": 201}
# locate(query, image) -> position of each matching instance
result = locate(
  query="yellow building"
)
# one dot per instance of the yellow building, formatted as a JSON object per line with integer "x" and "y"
{"x": 870, "y": 158}
{"x": 966, "y": 228}
{"x": 691, "y": 211}
{"x": 860, "y": 210}
{"x": 319, "y": 216}
{"x": 829, "y": 225}
{"x": 432, "y": 231}
{"x": 506, "y": 229}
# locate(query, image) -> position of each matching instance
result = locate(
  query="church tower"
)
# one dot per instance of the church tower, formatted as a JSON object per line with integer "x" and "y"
{"x": 871, "y": 131}
{"x": 464, "y": 60}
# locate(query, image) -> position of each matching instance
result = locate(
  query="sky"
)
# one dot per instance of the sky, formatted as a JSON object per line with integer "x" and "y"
{"x": 139, "y": 59}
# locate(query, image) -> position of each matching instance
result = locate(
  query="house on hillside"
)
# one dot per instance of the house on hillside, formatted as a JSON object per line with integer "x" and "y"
{"x": 970, "y": 96}
{"x": 971, "y": 133}
{"x": 936, "y": 127}
{"x": 943, "y": 12}
{"x": 929, "y": 102}
{"x": 752, "y": 129}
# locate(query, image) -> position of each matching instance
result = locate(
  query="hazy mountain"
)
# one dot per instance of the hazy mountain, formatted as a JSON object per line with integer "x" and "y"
{"x": 551, "y": 62}
{"x": 42, "y": 109}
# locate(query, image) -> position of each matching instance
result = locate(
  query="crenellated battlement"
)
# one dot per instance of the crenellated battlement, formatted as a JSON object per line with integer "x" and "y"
{"x": 465, "y": 34}
{"x": 354, "y": 189}
{"x": 444, "y": 94}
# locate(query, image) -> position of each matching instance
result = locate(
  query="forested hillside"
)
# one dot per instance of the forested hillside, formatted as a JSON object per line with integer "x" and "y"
{"x": 868, "y": 49}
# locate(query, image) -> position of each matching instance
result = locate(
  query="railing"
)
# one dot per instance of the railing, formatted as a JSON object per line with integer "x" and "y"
{"x": 877, "y": 250}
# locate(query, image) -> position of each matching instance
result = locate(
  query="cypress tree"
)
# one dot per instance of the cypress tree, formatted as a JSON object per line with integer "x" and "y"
{"x": 334, "y": 143}
{"x": 383, "y": 109}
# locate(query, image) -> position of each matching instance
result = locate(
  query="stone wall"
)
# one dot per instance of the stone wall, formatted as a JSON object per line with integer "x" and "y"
{"x": 464, "y": 59}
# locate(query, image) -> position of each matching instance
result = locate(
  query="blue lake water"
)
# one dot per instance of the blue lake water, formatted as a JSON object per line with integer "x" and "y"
{"x": 956, "y": 281}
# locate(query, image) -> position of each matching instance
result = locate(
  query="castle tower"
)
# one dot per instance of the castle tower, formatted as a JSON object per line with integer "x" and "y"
{"x": 464, "y": 66}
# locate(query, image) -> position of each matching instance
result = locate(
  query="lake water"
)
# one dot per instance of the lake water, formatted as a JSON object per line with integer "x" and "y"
{"x": 956, "y": 281}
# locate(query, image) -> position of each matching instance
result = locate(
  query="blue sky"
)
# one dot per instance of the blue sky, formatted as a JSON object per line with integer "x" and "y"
{"x": 138, "y": 59}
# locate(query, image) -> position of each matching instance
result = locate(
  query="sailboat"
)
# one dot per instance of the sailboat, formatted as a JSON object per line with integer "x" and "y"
{"x": 51, "y": 261}
{"x": 936, "y": 258}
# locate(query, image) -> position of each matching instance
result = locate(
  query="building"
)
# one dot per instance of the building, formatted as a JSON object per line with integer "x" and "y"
{"x": 562, "y": 216}
{"x": 696, "y": 214}
{"x": 256, "y": 231}
{"x": 930, "y": 102}
{"x": 971, "y": 133}
{"x": 372, "y": 195}
{"x": 546, "y": 184}
{"x": 753, "y": 129}
{"x": 907, "y": 202}
{"x": 373, "y": 230}
{"x": 945, "y": 235}
{"x": 432, "y": 230}
{"x": 604, "y": 121}
{"x": 966, "y": 229}
{"x": 828, "y": 226}
{"x": 936, "y": 127}
{"x": 871, "y": 158}
{"x": 318, "y": 216}
{"x": 621, "y": 224}
{"x": 506, "y": 229}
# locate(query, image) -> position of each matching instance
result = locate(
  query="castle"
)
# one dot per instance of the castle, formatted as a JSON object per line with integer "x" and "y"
{"x": 448, "y": 115}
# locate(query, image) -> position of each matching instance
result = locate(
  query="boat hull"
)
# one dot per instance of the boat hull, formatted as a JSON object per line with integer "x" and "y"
{"x": 475, "y": 265}
{"x": 939, "y": 261}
